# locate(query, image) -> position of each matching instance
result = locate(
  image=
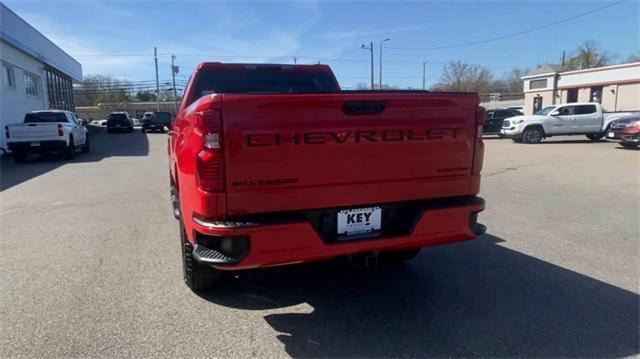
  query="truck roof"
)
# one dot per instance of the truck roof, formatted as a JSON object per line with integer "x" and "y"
{"x": 575, "y": 104}
{"x": 249, "y": 66}
{"x": 56, "y": 111}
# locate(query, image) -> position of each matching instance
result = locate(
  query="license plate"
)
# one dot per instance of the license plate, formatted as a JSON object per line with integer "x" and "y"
{"x": 611, "y": 134}
{"x": 35, "y": 143}
{"x": 359, "y": 221}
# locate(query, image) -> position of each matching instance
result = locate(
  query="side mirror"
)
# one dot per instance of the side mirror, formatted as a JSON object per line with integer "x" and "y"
{"x": 555, "y": 113}
{"x": 83, "y": 122}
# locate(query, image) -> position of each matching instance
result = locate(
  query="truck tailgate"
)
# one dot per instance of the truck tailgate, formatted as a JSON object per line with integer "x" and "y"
{"x": 32, "y": 131}
{"x": 290, "y": 152}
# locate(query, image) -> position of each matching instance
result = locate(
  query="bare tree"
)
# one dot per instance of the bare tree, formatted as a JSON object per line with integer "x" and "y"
{"x": 102, "y": 88}
{"x": 461, "y": 76}
{"x": 588, "y": 55}
{"x": 511, "y": 81}
{"x": 632, "y": 58}
{"x": 454, "y": 75}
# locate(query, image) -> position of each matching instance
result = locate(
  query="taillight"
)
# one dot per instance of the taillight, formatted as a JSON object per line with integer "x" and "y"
{"x": 210, "y": 161}
{"x": 478, "y": 150}
{"x": 60, "y": 131}
{"x": 6, "y": 131}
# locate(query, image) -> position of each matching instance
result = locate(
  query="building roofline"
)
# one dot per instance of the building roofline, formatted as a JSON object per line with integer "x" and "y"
{"x": 45, "y": 50}
{"x": 38, "y": 31}
{"x": 601, "y": 83}
{"x": 548, "y": 74}
{"x": 603, "y": 68}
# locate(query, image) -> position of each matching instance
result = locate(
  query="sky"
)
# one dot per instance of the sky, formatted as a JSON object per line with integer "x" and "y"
{"x": 117, "y": 37}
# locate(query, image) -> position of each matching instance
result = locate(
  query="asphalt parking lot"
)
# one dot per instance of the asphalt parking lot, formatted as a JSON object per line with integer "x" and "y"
{"x": 90, "y": 267}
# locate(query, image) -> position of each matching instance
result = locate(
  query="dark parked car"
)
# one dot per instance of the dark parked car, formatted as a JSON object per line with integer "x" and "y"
{"x": 495, "y": 118}
{"x": 630, "y": 136}
{"x": 618, "y": 125}
{"x": 156, "y": 122}
{"x": 119, "y": 121}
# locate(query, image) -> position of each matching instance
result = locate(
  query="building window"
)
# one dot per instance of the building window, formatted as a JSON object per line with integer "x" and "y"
{"x": 31, "y": 84}
{"x": 60, "y": 90}
{"x": 596, "y": 94}
{"x": 572, "y": 95}
{"x": 537, "y": 84}
{"x": 7, "y": 76}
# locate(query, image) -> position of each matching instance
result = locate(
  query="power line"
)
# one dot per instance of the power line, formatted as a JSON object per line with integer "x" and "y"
{"x": 513, "y": 34}
{"x": 213, "y": 55}
{"x": 297, "y": 57}
{"x": 110, "y": 55}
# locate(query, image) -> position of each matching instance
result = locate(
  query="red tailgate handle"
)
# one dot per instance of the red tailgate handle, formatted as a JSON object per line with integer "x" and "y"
{"x": 364, "y": 107}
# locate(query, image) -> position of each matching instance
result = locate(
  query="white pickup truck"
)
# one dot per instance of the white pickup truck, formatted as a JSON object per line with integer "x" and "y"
{"x": 560, "y": 120}
{"x": 47, "y": 131}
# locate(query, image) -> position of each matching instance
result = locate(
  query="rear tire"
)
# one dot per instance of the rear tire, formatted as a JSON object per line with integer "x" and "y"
{"x": 196, "y": 276}
{"x": 70, "y": 151}
{"x": 628, "y": 145}
{"x": 87, "y": 146}
{"x": 532, "y": 135}
{"x": 595, "y": 136}
{"x": 19, "y": 156}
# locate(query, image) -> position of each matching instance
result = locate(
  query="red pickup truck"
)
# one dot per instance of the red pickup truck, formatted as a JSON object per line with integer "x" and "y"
{"x": 274, "y": 165}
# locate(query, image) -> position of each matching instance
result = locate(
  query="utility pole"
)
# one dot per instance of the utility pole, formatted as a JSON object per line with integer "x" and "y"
{"x": 295, "y": 60}
{"x": 174, "y": 71}
{"x": 424, "y": 75}
{"x": 370, "y": 48}
{"x": 155, "y": 58}
{"x": 387, "y": 39}
{"x": 563, "y": 54}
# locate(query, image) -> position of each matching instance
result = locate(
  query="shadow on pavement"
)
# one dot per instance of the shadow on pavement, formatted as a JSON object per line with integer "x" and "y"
{"x": 552, "y": 141}
{"x": 103, "y": 145}
{"x": 474, "y": 299}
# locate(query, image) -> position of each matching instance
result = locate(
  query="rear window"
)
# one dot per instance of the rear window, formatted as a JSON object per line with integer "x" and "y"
{"x": 263, "y": 81}
{"x": 163, "y": 116}
{"x": 117, "y": 116}
{"x": 45, "y": 117}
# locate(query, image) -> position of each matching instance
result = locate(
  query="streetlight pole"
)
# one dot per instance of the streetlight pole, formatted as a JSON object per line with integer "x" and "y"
{"x": 155, "y": 58}
{"x": 387, "y": 39}
{"x": 424, "y": 75}
{"x": 174, "y": 71}
{"x": 370, "y": 48}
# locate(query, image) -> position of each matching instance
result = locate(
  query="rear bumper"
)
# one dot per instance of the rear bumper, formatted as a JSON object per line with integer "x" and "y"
{"x": 44, "y": 146}
{"x": 154, "y": 126}
{"x": 119, "y": 126}
{"x": 288, "y": 242}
